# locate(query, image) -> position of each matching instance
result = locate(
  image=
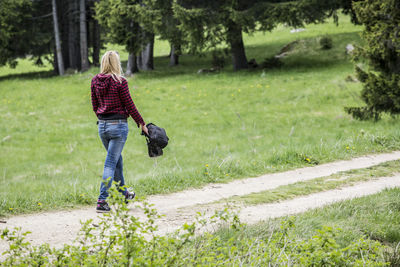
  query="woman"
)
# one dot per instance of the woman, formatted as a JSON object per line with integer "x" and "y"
{"x": 113, "y": 104}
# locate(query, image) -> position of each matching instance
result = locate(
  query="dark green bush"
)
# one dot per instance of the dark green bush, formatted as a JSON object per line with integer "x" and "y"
{"x": 271, "y": 63}
{"x": 218, "y": 59}
{"x": 326, "y": 42}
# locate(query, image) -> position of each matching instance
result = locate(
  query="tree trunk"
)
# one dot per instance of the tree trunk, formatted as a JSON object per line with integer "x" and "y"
{"x": 148, "y": 54}
{"x": 96, "y": 43}
{"x": 235, "y": 40}
{"x": 174, "y": 55}
{"x": 60, "y": 61}
{"x": 73, "y": 35}
{"x": 55, "y": 61}
{"x": 63, "y": 27}
{"x": 131, "y": 66}
{"x": 83, "y": 36}
{"x": 139, "y": 61}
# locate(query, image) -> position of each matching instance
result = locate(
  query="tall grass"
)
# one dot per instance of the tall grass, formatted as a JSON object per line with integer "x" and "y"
{"x": 376, "y": 216}
{"x": 221, "y": 126}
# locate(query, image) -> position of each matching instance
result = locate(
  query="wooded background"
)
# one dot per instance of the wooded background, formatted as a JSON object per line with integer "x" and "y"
{"x": 70, "y": 33}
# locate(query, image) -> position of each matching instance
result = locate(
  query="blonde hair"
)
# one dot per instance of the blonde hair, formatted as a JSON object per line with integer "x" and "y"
{"x": 110, "y": 64}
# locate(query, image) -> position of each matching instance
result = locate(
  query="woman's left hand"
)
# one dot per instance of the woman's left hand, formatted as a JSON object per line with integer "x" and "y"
{"x": 144, "y": 129}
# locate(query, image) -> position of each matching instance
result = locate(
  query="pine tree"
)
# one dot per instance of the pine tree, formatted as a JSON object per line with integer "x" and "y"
{"x": 381, "y": 82}
{"x": 119, "y": 18}
{"x": 27, "y": 29}
{"x": 18, "y": 31}
{"x": 135, "y": 24}
{"x": 158, "y": 17}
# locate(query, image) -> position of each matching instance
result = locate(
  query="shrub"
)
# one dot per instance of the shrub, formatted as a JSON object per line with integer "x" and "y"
{"x": 218, "y": 59}
{"x": 271, "y": 63}
{"x": 326, "y": 42}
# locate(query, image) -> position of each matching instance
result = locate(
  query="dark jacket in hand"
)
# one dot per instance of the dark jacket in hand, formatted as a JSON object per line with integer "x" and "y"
{"x": 157, "y": 139}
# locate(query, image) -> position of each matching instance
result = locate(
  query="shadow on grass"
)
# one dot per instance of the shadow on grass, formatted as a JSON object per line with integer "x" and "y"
{"x": 191, "y": 64}
{"x": 188, "y": 65}
{"x": 310, "y": 59}
{"x": 29, "y": 75}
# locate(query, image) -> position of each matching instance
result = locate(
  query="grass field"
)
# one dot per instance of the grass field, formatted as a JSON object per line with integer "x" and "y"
{"x": 377, "y": 217}
{"x": 221, "y": 126}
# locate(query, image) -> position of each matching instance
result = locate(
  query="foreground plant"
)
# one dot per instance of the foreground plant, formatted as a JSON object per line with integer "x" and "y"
{"x": 123, "y": 239}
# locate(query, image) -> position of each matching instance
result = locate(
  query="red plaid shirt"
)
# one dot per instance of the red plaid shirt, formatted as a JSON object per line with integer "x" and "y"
{"x": 112, "y": 97}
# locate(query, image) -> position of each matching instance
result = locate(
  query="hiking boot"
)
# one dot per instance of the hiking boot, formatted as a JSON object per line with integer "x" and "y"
{"x": 102, "y": 206}
{"x": 129, "y": 196}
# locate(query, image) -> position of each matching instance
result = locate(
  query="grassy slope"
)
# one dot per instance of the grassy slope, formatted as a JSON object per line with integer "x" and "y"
{"x": 237, "y": 123}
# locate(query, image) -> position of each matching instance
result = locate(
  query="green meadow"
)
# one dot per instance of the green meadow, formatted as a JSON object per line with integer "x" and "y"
{"x": 222, "y": 126}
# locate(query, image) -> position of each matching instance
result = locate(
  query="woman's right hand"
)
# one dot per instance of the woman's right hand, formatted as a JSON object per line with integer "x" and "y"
{"x": 144, "y": 129}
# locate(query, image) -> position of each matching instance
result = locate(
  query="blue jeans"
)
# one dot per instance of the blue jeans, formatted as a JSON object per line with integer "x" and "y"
{"x": 113, "y": 135}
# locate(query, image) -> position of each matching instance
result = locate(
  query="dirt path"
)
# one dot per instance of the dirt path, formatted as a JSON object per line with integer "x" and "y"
{"x": 214, "y": 192}
{"x": 253, "y": 214}
{"x": 57, "y": 228}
